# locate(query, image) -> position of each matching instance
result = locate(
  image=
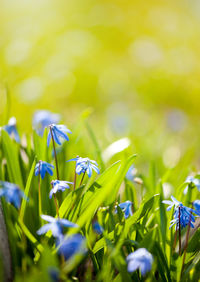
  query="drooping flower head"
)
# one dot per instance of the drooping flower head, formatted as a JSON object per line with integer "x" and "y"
{"x": 43, "y": 167}
{"x": 12, "y": 193}
{"x": 196, "y": 205}
{"x": 11, "y": 129}
{"x": 130, "y": 175}
{"x": 97, "y": 228}
{"x": 85, "y": 165}
{"x": 42, "y": 119}
{"x": 140, "y": 259}
{"x": 56, "y": 226}
{"x": 126, "y": 207}
{"x": 192, "y": 180}
{"x": 58, "y": 131}
{"x": 185, "y": 213}
{"x": 75, "y": 244}
{"x": 58, "y": 185}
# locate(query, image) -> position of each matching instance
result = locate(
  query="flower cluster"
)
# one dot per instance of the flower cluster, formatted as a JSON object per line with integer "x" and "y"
{"x": 85, "y": 165}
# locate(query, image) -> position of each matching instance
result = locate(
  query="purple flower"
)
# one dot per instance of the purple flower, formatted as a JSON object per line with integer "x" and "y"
{"x": 126, "y": 207}
{"x": 55, "y": 225}
{"x": 85, "y": 165}
{"x": 75, "y": 244}
{"x": 140, "y": 259}
{"x": 11, "y": 129}
{"x": 43, "y": 167}
{"x": 97, "y": 228}
{"x": 58, "y": 185}
{"x": 42, "y": 119}
{"x": 58, "y": 131}
{"x": 12, "y": 193}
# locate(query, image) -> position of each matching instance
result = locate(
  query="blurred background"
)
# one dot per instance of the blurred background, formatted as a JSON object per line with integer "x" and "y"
{"x": 135, "y": 64}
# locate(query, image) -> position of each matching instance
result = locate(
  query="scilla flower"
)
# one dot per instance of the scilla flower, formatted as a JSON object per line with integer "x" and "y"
{"x": 75, "y": 244}
{"x": 43, "y": 167}
{"x": 85, "y": 165}
{"x": 58, "y": 185}
{"x": 126, "y": 207}
{"x": 11, "y": 129}
{"x": 56, "y": 226}
{"x": 97, "y": 228}
{"x": 182, "y": 212}
{"x": 58, "y": 131}
{"x": 192, "y": 180}
{"x": 12, "y": 193}
{"x": 140, "y": 259}
{"x": 196, "y": 205}
{"x": 42, "y": 119}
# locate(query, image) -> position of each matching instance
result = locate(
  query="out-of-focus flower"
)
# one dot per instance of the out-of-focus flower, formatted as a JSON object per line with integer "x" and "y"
{"x": 54, "y": 274}
{"x": 140, "y": 259}
{"x": 42, "y": 119}
{"x": 12, "y": 193}
{"x": 192, "y": 180}
{"x": 97, "y": 228}
{"x": 126, "y": 207}
{"x": 55, "y": 225}
{"x": 182, "y": 212}
{"x": 75, "y": 244}
{"x": 58, "y": 185}
{"x": 196, "y": 205}
{"x": 11, "y": 129}
{"x": 131, "y": 173}
{"x": 43, "y": 167}
{"x": 58, "y": 131}
{"x": 85, "y": 165}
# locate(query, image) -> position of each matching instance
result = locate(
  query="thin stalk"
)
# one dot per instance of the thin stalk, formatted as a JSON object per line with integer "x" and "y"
{"x": 179, "y": 230}
{"x": 82, "y": 179}
{"x": 55, "y": 155}
{"x": 39, "y": 192}
{"x": 56, "y": 204}
{"x": 75, "y": 178}
{"x": 175, "y": 238}
{"x": 186, "y": 242}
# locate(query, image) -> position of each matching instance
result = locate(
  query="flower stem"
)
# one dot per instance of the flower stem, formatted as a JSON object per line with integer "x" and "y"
{"x": 179, "y": 230}
{"x": 39, "y": 192}
{"x": 75, "y": 178}
{"x": 186, "y": 242}
{"x": 175, "y": 238}
{"x": 55, "y": 155}
{"x": 82, "y": 179}
{"x": 56, "y": 204}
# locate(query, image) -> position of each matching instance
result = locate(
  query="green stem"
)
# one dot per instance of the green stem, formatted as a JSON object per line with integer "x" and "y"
{"x": 55, "y": 155}
{"x": 179, "y": 230}
{"x": 39, "y": 192}
{"x": 75, "y": 178}
{"x": 82, "y": 179}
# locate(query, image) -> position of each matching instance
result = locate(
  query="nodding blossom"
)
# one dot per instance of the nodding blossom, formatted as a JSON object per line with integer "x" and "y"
{"x": 85, "y": 165}
{"x": 56, "y": 226}
{"x": 126, "y": 207}
{"x": 12, "y": 193}
{"x": 182, "y": 212}
{"x": 75, "y": 244}
{"x": 11, "y": 129}
{"x": 140, "y": 259}
{"x": 58, "y": 185}
{"x": 58, "y": 131}
{"x": 42, "y": 119}
{"x": 192, "y": 180}
{"x": 43, "y": 167}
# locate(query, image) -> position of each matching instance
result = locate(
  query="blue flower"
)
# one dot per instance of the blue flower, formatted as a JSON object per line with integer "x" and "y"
{"x": 11, "y": 129}
{"x": 196, "y": 205}
{"x": 12, "y": 193}
{"x": 140, "y": 259}
{"x": 58, "y": 185}
{"x": 130, "y": 175}
{"x": 192, "y": 180}
{"x": 42, "y": 119}
{"x": 58, "y": 131}
{"x": 43, "y": 167}
{"x": 126, "y": 207}
{"x": 55, "y": 225}
{"x": 186, "y": 216}
{"x": 75, "y": 244}
{"x": 85, "y": 165}
{"x": 97, "y": 228}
